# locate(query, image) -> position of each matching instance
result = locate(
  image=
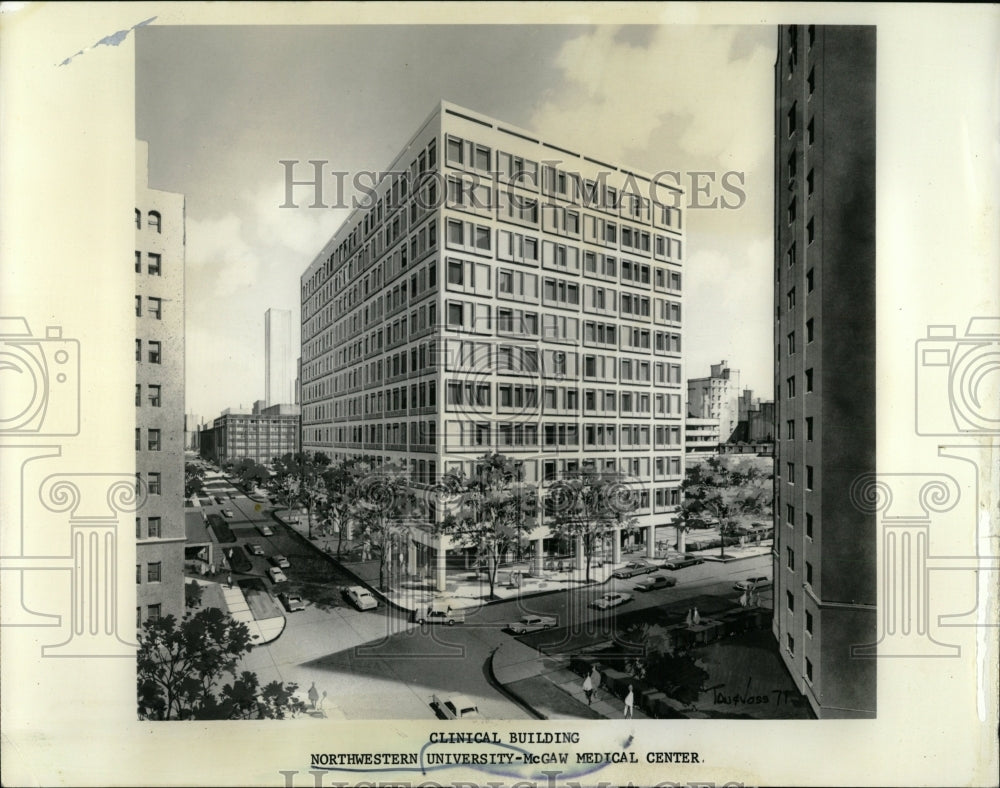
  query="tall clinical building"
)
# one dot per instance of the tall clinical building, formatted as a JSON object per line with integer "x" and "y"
{"x": 159, "y": 397}
{"x": 501, "y": 292}
{"x": 824, "y": 345}
{"x": 279, "y": 360}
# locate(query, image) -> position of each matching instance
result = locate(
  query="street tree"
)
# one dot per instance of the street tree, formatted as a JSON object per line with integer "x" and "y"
{"x": 249, "y": 473}
{"x": 490, "y": 510}
{"x": 297, "y": 480}
{"x": 586, "y": 507}
{"x": 729, "y": 488}
{"x": 194, "y": 479}
{"x": 339, "y": 485}
{"x": 383, "y": 505}
{"x": 181, "y": 667}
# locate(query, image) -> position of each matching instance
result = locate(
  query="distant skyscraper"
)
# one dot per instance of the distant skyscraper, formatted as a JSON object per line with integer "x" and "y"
{"x": 824, "y": 351}
{"x": 279, "y": 361}
{"x": 716, "y": 397}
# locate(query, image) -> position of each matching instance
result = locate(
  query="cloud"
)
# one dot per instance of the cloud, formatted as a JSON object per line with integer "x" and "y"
{"x": 220, "y": 260}
{"x": 688, "y": 96}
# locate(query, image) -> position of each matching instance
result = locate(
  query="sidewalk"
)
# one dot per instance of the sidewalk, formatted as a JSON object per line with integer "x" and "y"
{"x": 261, "y": 630}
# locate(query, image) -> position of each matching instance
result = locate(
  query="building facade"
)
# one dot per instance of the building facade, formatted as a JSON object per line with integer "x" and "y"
{"x": 279, "y": 360}
{"x": 824, "y": 344}
{"x": 500, "y": 292}
{"x": 716, "y": 397}
{"x": 701, "y": 437}
{"x": 260, "y": 436}
{"x": 159, "y": 397}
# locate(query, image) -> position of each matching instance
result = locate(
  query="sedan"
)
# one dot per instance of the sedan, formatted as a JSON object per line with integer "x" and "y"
{"x": 361, "y": 598}
{"x": 633, "y": 569}
{"x": 532, "y": 624}
{"x": 654, "y": 582}
{"x": 292, "y": 602}
{"x": 276, "y": 575}
{"x": 265, "y": 530}
{"x": 279, "y": 560}
{"x": 611, "y": 600}
{"x": 680, "y": 563}
{"x": 753, "y": 583}
{"x": 255, "y": 548}
{"x": 228, "y": 513}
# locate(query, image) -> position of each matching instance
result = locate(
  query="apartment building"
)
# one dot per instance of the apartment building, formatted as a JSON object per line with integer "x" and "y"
{"x": 501, "y": 292}
{"x": 261, "y": 435}
{"x": 716, "y": 397}
{"x": 824, "y": 345}
{"x": 159, "y": 397}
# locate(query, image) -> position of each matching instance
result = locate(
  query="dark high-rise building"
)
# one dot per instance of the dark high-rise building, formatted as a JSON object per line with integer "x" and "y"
{"x": 824, "y": 343}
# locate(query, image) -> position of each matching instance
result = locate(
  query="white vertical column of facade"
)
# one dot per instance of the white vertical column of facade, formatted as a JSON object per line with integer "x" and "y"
{"x": 578, "y": 557}
{"x": 537, "y": 558}
{"x": 651, "y": 542}
{"x": 440, "y": 576}
{"x": 616, "y": 545}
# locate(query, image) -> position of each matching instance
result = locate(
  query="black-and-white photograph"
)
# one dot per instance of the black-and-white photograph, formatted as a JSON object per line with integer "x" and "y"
{"x": 532, "y": 396}
{"x": 533, "y": 332}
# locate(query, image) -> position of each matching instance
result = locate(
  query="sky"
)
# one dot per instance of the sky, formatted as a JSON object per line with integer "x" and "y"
{"x": 221, "y": 106}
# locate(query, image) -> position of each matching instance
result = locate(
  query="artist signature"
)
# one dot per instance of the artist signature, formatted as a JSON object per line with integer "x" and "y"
{"x": 748, "y": 696}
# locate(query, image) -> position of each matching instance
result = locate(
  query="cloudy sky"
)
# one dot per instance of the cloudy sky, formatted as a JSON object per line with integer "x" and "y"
{"x": 221, "y": 106}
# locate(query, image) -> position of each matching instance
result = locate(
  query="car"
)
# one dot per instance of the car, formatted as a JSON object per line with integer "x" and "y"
{"x": 255, "y": 548}
{"x": 276, "y": 575}
{"x": 438, "y": 616}
{"x": 228, "y": 513}
{"x": 680, "y": 563}
{"x": 279, "y": 560}
{"x": 655, "y": 581}
{"x": 753, "y": 583}
{"x": 292, "y": 602}
{"x": 532, "y": 624}
{"x": 612, "y": 599}
{"x": 361, "y": 598}
{"x": 455, "y": 707}
{"x": 218, "y": 499}
{"x": 633, "y": 569}
{"x": 265, "y": 530}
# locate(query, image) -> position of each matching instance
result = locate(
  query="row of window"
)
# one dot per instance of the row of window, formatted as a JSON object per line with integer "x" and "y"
{"x": 790, "y": 384}
{"x": 152, "y": 394}
{"x": 154, "y": 351}
{"x": 153, "y": 572}
{"x": 153, "y": 218}
{"x": 154, "y": 528}
{"x": 154, "y": 307}
{"x": 153, "y": 439}
{"x": 154, "y": 263}
{"x": 152, "y": 483}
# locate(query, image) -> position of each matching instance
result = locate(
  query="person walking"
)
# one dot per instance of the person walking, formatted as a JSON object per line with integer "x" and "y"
{"x": 588, "y": 689}
{"x": 629, "y": 702}
{"x": 229, "y": 581}
{"x": 313, "y": 695}
{"x": 595, "y": 680}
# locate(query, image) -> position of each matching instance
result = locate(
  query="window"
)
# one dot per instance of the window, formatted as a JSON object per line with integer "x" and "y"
{"x": 154, "y": 264}
{"x": 809, "y": 669}
{"x": 809, "y": 574}
{"x": 809, "y": 428}
{"x": 811, "y": 131}
{"x": 811, "y": 80}
{"x": 154, "y": 352}
{"x": 154, "y": 220}
{"x": 809, "y": 380}
{"x": 153, "y": 484}
{"x": 138, "y": 438}
{"x": 153, "y": 442}
{"x": 155, "y": 307}
{"x": 154, "y": 395}
{"x": 810, "y": 232}
{"x": 790, "y": 513}
{"x": 790, "y": 478}
{"x": 791, "y": 298}
{"x": 153, "y": 572}
{"x": 791, "y": 119}
{"x": 791, "y": 211}
{"x": 152, "y": 612}
{"x": 791, "y": 343}
{"x": 138, "y": 394}
{"x": 138, "y": 306}
{"x": 790, "y": 386}
{"x": 138, "y": 219}
{"x": 810, "y": 182}
{"x": 790, "y": 642}
{"x": 455, "y": 312}
{"x": 809, "y": 280}
{"x": 138, "y": 573}
{"x": 790, "y": 558}
{"x": 809, "y": 525}
{"x": 790, "y": 601}
{"x": 809, "y": 477}
{"x": 154, "y": 528}
{"x": 809, "y": 330}
{"x": 138, "y": 350}
{"x": 138, "y": 262}
{"x": 790, "y": 429}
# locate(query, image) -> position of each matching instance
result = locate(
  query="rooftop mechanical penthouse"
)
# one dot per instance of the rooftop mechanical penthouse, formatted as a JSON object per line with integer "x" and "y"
{"x": 500, "y": 292}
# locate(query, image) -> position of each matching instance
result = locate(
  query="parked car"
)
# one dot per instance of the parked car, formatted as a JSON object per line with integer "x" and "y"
{"x": 279, "y": 560}
{"x": 655, "y": 581}
{"x": 455, "y": 707}
{"x": 218, "y": 499}
{"x": 611, "y": 600}
{"x": 228, "y": 513}
{"x": 292, "y": 602}
{"x": 439, "y": 616}
{"x": 633, "y": 569}
{"x": 680, "y": 563}
{"x": 361, "y": 598}
{"x": 753, "y": 584}
{"x": 265, "y": 530}
{"x": 276, "y": 575}
{"x": 255, "y": 548}
{"x": 532, "y": 624}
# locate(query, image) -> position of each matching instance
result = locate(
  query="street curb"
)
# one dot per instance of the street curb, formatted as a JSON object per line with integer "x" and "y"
{"x": 501, "y": 687}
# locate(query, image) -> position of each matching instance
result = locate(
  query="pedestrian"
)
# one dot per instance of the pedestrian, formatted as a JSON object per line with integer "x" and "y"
{"x": 588, "y": 689}
{"x": 322, "y": 701}
{"x": 696, "y": 618}
{"x": 689, "y": 620}
{"x": 629, "y": 701}
{"x": 229, "y": 581}
{"x": 313, "y": 695}
{"x": 595, "y": 680}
